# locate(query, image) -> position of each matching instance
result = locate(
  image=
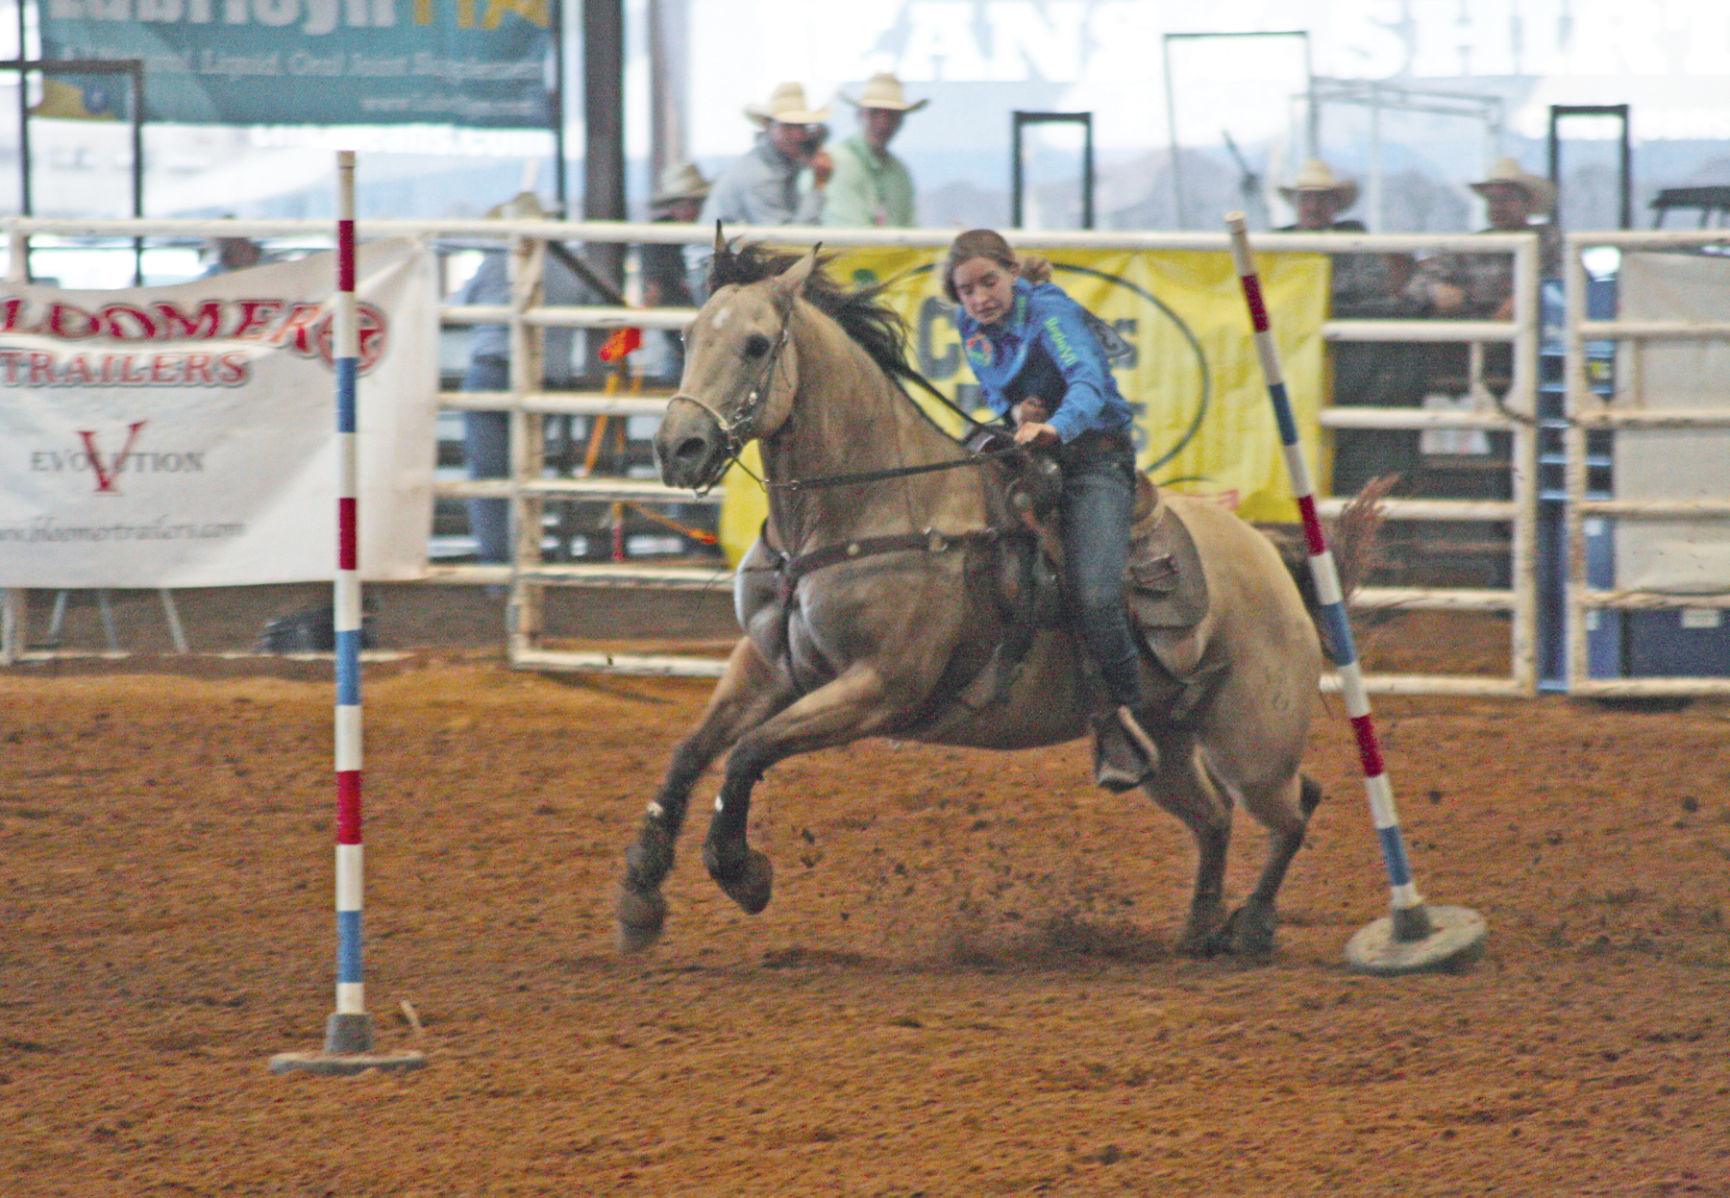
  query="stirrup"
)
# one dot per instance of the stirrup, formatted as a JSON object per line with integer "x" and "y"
{"x": 1124, "y": 756}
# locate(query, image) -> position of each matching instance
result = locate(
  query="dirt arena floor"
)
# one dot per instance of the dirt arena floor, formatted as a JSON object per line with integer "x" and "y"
{"x": 965, "y": 985}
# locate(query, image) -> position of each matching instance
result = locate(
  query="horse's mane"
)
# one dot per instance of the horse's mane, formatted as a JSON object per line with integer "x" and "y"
{"x": 875, "y": 327}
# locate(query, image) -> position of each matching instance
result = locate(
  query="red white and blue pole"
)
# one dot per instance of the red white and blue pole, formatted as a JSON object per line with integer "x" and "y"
{"x": 350, "y": 985}
{"x": 1413, "y": 933}
{"x": 348, "y": 1040}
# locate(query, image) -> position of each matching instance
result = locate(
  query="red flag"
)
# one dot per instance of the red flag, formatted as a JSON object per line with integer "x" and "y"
{"x": 620, "y": 343}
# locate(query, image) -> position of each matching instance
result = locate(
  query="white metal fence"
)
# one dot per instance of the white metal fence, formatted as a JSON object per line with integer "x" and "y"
{"x": 1589, "y": 408}
{"x": 530, "y": 490}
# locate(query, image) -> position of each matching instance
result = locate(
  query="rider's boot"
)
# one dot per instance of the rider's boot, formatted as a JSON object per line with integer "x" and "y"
{"x": 1124, "y": 755}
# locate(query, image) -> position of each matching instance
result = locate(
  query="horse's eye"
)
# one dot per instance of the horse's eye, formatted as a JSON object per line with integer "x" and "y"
{"x": 756, "y": 345}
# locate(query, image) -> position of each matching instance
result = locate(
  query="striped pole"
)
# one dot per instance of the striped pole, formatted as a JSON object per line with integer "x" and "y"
{"x": 1414, "y": 933}
{"x": 348, "y": 1042}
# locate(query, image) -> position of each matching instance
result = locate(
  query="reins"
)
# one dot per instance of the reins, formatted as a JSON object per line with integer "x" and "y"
{"x": 737, "y": 431}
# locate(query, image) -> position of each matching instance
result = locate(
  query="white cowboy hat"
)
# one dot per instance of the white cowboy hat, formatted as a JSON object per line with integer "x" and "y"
{"x": 681, "y": 181}
{"x": 525, "y": 205}
{"x": 787, "y": 105}
{"x": 1507, "y": 171}
{"x": 1315, "y": 176}
{"x": 883, "y": 90}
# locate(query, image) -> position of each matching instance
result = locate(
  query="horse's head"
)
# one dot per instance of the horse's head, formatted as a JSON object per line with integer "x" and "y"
{"x": 740, "y": 377}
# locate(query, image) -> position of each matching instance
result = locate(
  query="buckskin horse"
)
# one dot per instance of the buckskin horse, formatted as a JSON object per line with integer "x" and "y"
{"x": 898, "y": 589}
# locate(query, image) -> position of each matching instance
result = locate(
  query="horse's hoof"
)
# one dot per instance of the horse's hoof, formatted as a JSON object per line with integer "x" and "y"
{"x": 1203, "y": 930}
{"x": 641, "y": 914}
{"x": 748, "y": 881}
{"x": 1249, "y": 933}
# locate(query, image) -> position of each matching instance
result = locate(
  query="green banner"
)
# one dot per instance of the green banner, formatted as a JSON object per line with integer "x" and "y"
{"x": 315, "y": 62}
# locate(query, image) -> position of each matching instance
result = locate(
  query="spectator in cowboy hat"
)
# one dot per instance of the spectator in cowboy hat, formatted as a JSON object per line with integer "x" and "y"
{"x": 762, "y": 187}
{"x": 871, "y": 186}
{"x": 486, "y": 434}
{"x": 679, "y": 200}
{"x": 1318, "y": 198}
{"x": 1481, "y": 286}
{"x": 1362, "y": 284}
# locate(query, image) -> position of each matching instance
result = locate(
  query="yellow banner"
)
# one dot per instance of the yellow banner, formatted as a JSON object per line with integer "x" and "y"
{"x": 1187, "y": 365}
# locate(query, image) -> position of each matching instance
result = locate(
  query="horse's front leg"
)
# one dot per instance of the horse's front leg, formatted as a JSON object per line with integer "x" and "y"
{"x": 748, "y": 693}
{"x": 850, "y": 707}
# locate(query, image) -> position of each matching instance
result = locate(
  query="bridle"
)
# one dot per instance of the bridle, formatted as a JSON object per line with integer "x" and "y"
{"x": 742, "y": 427}
{"x": 739, "y": 430}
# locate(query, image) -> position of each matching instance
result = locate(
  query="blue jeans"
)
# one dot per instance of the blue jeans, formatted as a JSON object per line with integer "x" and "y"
{"x": 487, "y": 454}
{"x": 1098, "y": 510}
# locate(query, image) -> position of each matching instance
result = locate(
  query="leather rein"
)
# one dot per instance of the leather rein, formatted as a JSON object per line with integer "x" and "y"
{"x": 790, "y": 568}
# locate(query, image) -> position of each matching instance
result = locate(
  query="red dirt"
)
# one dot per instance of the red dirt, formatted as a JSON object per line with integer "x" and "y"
{"x": 965, "y": 984}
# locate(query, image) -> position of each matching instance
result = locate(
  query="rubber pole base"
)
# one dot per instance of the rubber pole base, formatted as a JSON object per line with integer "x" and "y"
{"x": 348, "y": 1050}
{"x": 1445, "y": 940}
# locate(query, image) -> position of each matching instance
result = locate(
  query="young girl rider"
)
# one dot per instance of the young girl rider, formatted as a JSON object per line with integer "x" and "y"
{"x": 1039, "y": 365}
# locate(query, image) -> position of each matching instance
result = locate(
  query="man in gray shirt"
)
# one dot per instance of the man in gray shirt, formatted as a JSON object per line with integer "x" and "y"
{"x": 762, "y": 186}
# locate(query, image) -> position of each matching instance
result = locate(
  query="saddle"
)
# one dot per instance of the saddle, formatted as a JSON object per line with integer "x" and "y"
{"x": 1165, "y": 589}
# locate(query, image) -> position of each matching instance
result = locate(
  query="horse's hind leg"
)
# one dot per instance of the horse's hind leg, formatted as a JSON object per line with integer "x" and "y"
{"x": 746, "y": 695}
{"x": 1284, "y": 807}
{"x": 1182, "y": 788}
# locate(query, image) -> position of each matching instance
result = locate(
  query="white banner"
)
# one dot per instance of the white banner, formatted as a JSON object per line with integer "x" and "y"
{"x": 186, "y": 436}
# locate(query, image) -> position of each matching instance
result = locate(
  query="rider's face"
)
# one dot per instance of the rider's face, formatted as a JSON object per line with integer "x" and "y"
{"x": 985, "y": 287}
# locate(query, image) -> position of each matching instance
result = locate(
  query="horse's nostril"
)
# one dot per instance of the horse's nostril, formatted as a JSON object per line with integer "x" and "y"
{"x": 691, "y": 449}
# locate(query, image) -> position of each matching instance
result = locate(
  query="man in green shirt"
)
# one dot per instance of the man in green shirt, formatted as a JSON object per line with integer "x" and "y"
{"x": 870, "y": 186}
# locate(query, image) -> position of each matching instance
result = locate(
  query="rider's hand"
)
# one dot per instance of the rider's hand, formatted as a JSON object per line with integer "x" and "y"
{"x": 1030, "y": 411}
{"x": 1036, "y": 434}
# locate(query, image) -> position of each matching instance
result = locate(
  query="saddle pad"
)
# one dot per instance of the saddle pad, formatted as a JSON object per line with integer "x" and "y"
{"x": 1164, "y": 584}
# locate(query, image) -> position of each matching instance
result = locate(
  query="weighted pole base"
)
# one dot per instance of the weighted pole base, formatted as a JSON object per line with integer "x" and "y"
{"x": 347, "y": 1050}
{"x": 1425, "y": 940}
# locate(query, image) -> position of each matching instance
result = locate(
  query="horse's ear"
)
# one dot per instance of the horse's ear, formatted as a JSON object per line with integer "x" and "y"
{"x": 791, "y": 282}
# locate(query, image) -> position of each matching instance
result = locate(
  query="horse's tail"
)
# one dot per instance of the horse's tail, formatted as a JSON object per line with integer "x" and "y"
{"x": 1354, "y": 539}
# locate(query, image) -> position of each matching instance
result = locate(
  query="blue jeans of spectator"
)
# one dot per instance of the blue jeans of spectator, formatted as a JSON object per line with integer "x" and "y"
{"x": 1098, "y": 510}
{"x": 487, "y": 454}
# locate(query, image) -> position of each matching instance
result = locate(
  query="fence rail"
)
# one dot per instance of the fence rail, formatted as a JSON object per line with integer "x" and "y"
{"x": 1588, "y": 409}
{"x": 527, "y": 404}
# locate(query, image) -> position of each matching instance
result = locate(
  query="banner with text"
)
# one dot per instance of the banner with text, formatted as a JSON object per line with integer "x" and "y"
{"x": 315, "y": 62}
{"x": 186, "y": 436}
{"x": 1183, "y": 357}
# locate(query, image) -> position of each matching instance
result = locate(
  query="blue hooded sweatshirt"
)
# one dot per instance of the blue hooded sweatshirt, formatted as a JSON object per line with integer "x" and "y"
{"x": 1044, "y": 349}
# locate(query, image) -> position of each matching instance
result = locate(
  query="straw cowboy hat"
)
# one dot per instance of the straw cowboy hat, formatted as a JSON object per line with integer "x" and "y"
{"x": 1508, "y": 172}
{"x": 525, "y": 205}
{"x": 1315, "y": 176}
{"x": 883, "y": 90}
{"x": 681, "y": 181}
{"x": 787, "y": 105}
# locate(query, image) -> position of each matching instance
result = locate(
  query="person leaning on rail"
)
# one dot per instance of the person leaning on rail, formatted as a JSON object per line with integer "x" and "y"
{"x": 1364, "y": 373}
{"x": 678, "y": 200}
{"x": 486, "y": 435}
{"x": 1481, "y": 286}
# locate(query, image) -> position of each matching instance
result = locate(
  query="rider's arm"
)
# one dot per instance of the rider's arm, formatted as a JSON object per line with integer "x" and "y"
{"x": 1072, "y": 346}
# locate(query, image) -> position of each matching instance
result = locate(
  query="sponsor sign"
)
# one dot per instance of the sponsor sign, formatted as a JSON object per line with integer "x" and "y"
{"x": 1182, "y": 354}
{"x": 312, "y": 62}
{"x": 185, "y": 436}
